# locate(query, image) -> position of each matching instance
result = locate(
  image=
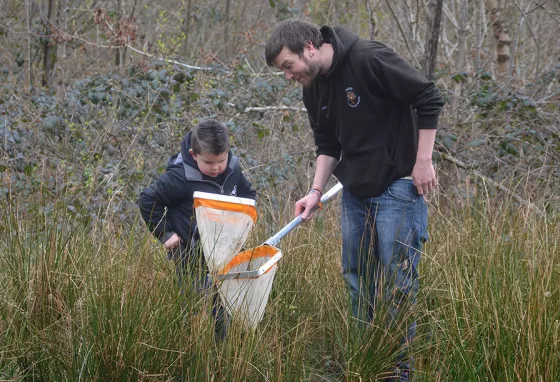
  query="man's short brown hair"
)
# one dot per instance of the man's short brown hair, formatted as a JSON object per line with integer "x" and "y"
{"x": 291, "y": 34}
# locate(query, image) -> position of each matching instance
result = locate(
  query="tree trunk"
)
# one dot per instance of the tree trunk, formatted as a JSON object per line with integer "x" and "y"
{"x": 479, "y": 39}
{"x": 372, "y": 22}
{"x": 432, "y": 38}
{"x": 333, "y": 12}
{"x": 407, "y": 14}
{"x": 236, "y": 39}
{"x": 118, "y": 51}
{"x": 27, "y": 64}
{"x": 226, "y": 32}
{"x": 187, "y": 29}
{"x": 502, "y": 36}
{"x": 461, "y": 63}
{"x": 128, "y": 41}
{"x": 462, "y": 35}
{"x": 61, "y": 70}
{"x": 49, "y": 48}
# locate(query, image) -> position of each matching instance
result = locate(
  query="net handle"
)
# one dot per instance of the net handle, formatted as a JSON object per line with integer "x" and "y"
{"x": 274, "y": 240}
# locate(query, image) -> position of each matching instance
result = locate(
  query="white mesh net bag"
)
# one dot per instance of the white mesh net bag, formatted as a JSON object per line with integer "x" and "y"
{"x": 247, "y": 282}
{"x": 224, "y": 222}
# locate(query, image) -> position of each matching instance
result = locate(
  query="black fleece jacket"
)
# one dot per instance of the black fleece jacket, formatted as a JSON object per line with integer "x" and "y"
{"x": 366, "y": 111}
{"x": 174, "y": 190}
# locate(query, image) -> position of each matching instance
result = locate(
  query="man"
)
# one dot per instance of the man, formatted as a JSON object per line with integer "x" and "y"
{"x": 374, "y": 120}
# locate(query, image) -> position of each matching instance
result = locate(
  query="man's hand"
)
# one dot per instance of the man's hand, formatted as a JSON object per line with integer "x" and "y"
{"x": 306, "y": 204}
{"x": 173, "y": 242}
{"x": 424, "y": 176}
{"x": 324, "y": 167}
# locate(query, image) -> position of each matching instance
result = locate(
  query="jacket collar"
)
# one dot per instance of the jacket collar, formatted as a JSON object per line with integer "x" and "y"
{"x": 193, "y": 173}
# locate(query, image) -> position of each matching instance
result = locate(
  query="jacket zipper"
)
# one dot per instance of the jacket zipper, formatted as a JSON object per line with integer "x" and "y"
{"x": 220, "y": 187}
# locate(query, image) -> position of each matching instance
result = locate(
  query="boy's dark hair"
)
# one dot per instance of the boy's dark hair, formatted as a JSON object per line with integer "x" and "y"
{"x": 292, "y": 34}
{"x": 210, "y": 136}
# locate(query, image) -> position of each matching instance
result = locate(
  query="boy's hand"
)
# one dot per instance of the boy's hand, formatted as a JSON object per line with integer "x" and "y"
{"x": 173, "y": 242}
{"x": 305, "y": 205}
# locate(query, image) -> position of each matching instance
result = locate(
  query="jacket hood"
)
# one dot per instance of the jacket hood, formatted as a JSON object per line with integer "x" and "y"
{"x": 342, "y": 40}
{"x": 185, "y": 155}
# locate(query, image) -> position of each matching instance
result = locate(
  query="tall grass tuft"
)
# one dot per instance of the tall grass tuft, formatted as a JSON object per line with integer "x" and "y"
{"x": 99, "y": 301}
{"x": 492, "y": 296}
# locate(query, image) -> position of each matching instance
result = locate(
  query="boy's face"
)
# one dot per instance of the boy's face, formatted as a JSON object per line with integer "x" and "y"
{"x": 209, "y": 164}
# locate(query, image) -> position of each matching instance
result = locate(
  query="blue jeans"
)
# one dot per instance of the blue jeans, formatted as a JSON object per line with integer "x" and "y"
{"x": 381, "y": 245}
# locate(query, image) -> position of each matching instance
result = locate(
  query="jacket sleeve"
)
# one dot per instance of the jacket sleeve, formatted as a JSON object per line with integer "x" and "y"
{"x": 325, "y": 140}
{"x": 153, "y": 202}
{"x": 397, "y": 79}
{"x": 245, "y": 188}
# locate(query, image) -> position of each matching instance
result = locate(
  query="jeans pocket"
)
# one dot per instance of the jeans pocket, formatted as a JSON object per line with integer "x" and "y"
{"x": 403, "y": 190}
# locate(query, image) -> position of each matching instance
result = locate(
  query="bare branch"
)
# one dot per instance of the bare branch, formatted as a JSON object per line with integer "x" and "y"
{"x": 403, "y": 35}
{"x": 271, "y": 108}
{"x": 486, "y": 179}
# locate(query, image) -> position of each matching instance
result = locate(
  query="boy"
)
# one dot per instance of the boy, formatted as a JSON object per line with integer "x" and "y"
{"x": 205, "y": 164}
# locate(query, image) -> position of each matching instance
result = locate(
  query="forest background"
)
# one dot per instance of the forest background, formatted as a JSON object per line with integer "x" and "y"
{"x": 96, "y": 95}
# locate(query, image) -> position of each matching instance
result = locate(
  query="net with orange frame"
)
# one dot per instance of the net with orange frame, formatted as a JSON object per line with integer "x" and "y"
{"x": 244, "y": 280}
{"x": 224, "y": 222}
{"x": 246, "y": 283}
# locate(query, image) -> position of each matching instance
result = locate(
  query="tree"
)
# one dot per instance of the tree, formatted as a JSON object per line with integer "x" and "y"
{"x": 48, "y": 46}
{"x": 27, "y": 65}
{"x": 502, "y": 36}
{"x": 432, "y": 38}
{"x": 372, "y": 22}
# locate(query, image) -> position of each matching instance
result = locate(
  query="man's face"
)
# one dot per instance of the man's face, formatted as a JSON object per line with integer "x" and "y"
{"x": 297, "y": 68}
{"x": 209, "y": 164}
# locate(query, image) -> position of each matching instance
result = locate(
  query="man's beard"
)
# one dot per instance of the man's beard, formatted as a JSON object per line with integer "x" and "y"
{"x": 312, "y": 71}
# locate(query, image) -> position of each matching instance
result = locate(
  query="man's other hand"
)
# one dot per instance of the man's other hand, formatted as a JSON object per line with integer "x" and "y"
{"x": 424, "y": 176}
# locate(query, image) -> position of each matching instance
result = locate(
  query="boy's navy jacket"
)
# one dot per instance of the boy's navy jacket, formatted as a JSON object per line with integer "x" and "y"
{"x": 174, "y": 190}
{"x": 366, "y": 111}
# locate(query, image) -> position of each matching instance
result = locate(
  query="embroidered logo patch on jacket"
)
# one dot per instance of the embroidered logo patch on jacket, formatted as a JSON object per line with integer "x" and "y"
{"x": 352, "y": 98}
